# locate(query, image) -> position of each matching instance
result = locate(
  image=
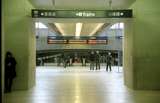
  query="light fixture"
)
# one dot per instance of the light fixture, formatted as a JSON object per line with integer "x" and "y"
{"x": 59, "y": 28}
{"x": 78, "y": 29}
{"x": 96, "y": 29}
{"x": 117, "y": 26}
{"x": 40, "y": 25}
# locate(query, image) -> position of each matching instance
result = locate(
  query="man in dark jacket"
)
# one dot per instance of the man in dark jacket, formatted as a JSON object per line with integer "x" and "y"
{"x": 97, "y": 59}
{"x": 92, "y": 60}
{"x": 108, "y": 61}
{"x": 83, "y": 61}
{"x": 10, "y": 72}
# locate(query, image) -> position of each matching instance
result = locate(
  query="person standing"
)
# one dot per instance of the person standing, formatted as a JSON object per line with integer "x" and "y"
{"x": 97, "y": 59}
{"x": 42, "y": 62}
{"x": 83, "y": 61}
{"x": 64, "y": 60}
{"x": 70, "y": 61}
{"x": 108, "y": 61}
{"x": 92, "y": 60}
{"x": 10, "y": 71}
{"x": 58, "y": 60}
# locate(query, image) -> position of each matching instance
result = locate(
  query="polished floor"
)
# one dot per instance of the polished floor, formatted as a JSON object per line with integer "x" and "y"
{"x": 80, "y": 85}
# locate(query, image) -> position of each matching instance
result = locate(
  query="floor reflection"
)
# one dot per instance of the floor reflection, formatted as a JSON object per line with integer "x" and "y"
{"x": 80, "y": 85}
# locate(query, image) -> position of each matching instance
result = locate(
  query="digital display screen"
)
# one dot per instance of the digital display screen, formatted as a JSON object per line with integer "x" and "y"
{"x": 81, "y": 40}
{"x": 50, "y": 41}
{"x": 97, "y": 41}
{"x": 77, "y": 41}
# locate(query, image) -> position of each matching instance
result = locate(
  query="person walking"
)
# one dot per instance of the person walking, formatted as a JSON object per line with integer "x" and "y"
{"x": 10, "y": 71}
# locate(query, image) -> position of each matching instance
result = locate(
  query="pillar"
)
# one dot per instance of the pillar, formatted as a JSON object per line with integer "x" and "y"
{"x": 19, "y": 38}
{"x": 142, "y": 50}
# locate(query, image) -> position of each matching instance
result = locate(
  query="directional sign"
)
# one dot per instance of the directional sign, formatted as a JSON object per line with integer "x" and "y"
{"x": 74, "y": 40}
{"x": 36, "y": 13}
{"x": 80, "y": 38}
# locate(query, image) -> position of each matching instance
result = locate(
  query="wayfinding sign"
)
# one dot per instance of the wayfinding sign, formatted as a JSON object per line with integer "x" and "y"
{"x": 74, "y": 40}
{"x": 38, "y": 13}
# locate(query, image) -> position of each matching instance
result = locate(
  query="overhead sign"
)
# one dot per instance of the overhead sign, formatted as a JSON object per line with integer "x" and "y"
{"x": 80, "y": 38}
{"x": 36, "y": 13}
{"x": 74, "y": 40}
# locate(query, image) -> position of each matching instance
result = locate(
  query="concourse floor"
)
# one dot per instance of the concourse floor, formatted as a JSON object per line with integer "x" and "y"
{"x": 80, "y": 85}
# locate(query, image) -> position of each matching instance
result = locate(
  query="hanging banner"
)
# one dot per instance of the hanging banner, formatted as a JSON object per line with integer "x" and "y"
{"x": 37, "y": 13}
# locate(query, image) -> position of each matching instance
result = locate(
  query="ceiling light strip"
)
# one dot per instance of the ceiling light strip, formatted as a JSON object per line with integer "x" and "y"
{"x": 59, "y": 28}
{"x": 78, "y": 29}
{"x": 96, "y": 29}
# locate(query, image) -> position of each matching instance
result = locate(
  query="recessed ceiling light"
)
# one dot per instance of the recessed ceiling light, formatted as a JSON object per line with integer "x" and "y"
{"x": 78, "y": 29}
{"x": 40, "y": 25}
{"x": 59, "y": 28}
{"x": 96, "y": 29}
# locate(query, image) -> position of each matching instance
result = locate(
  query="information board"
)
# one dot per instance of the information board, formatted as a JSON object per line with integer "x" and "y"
{"x": 38, "y": 13}
{"x": 74, "y": 40}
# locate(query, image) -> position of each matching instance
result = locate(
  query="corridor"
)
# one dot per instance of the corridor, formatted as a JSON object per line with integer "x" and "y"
{"x": 80, "y": 85}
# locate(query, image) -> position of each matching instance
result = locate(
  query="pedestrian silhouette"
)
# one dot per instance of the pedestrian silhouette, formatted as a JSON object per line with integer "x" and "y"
{"x": 92, "y": 60}
{"x": 97, "y": 59}
{"x": 108, "y": 61}
{"x": 10, "y": 72}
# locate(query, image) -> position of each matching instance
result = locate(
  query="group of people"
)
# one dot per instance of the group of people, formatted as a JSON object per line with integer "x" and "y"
{"x": 95, "y": 61}
{"x": 67, "y": 60}
{"x": 10, "y": 65}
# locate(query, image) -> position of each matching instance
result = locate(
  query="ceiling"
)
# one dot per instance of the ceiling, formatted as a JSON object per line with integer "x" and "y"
{"x": 82, "y": 4}
{"x": 68, "y": 29}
